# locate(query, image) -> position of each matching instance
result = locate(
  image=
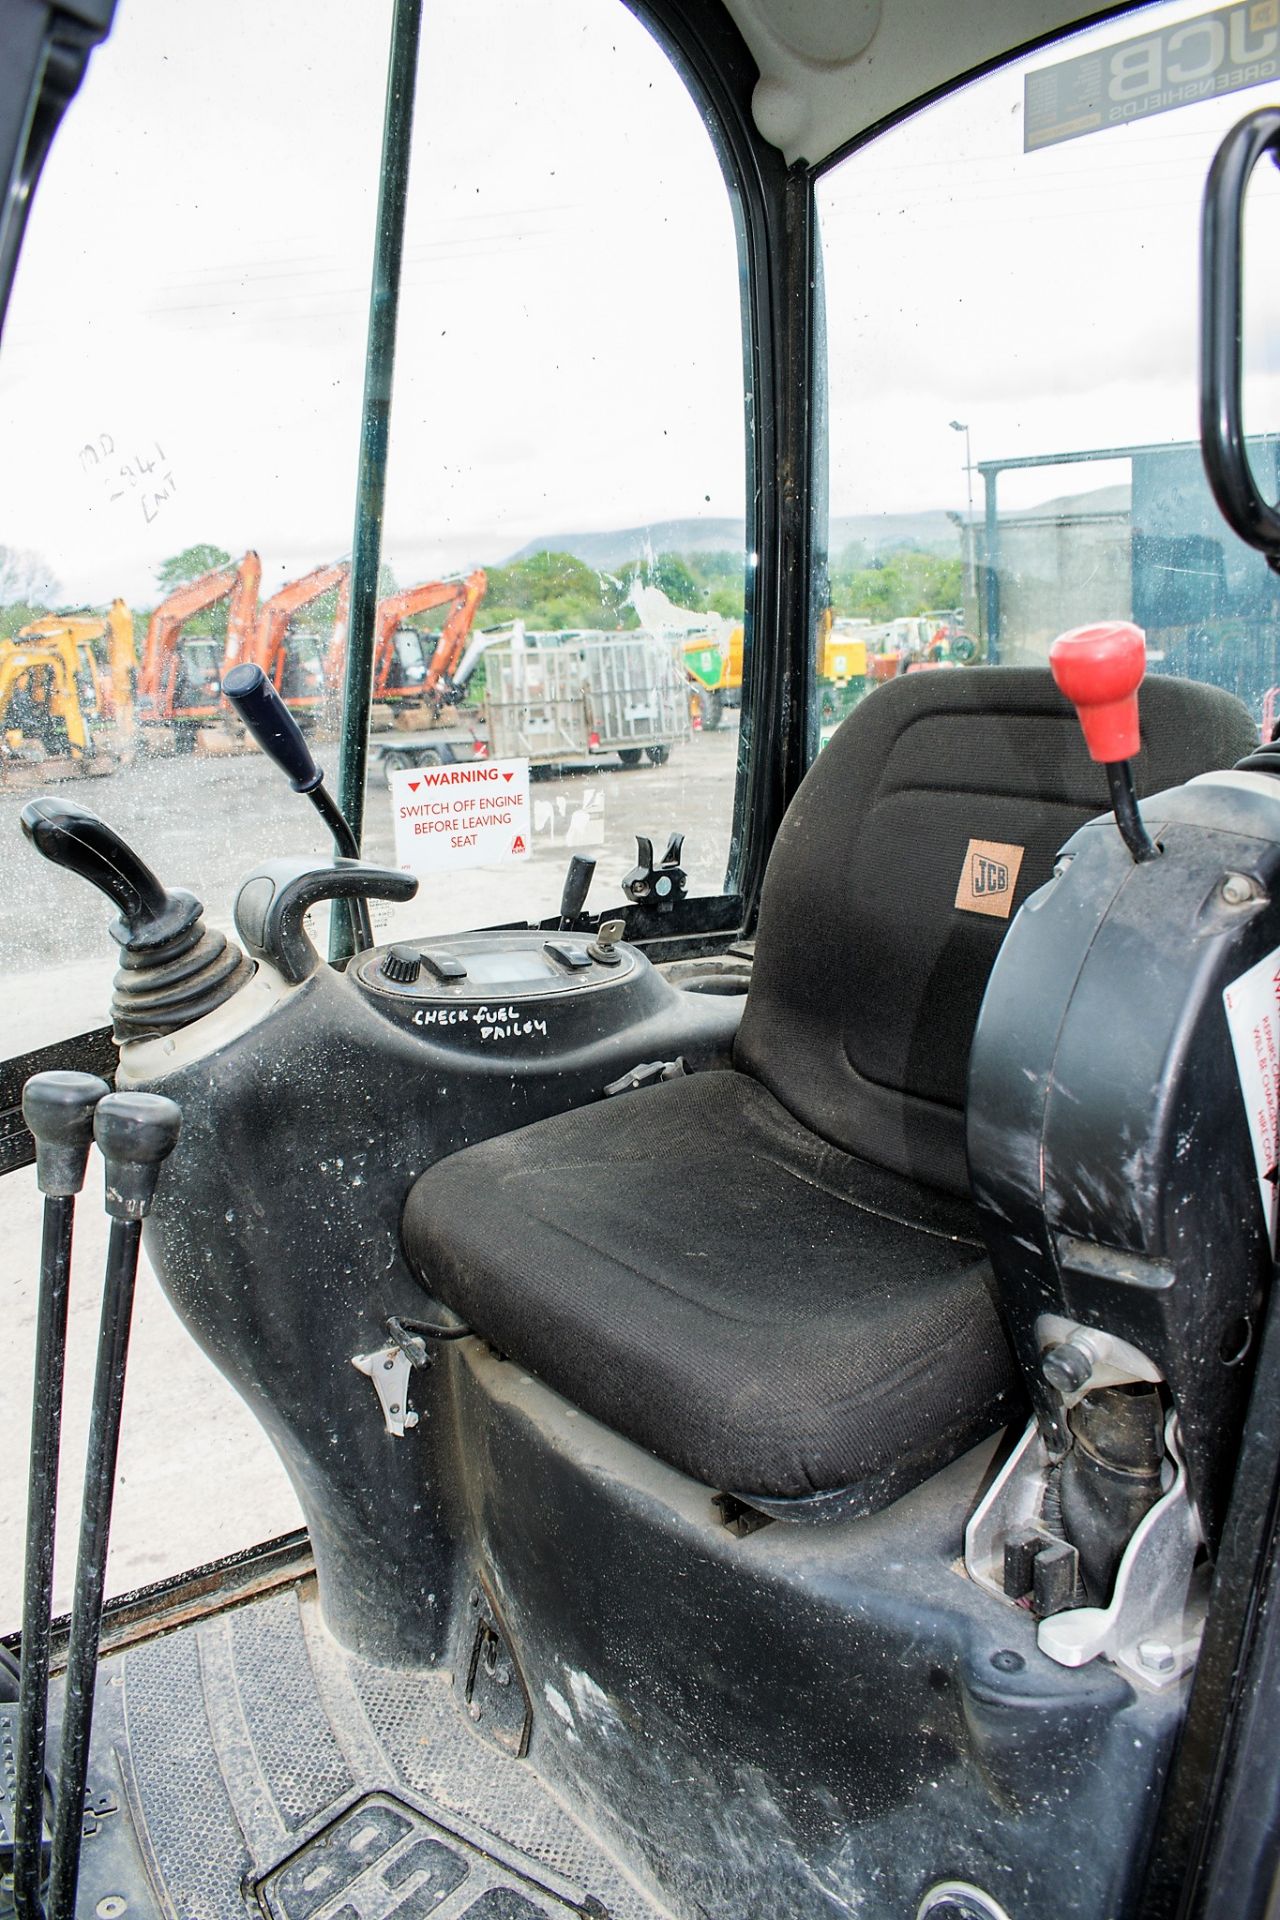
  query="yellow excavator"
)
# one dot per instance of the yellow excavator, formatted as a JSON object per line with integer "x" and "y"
{"x": 66, "y": 694}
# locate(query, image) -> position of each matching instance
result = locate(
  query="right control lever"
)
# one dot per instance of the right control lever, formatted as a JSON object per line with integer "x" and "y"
{"x": 276, "y": 731}
{"x": 1100, "y": 669}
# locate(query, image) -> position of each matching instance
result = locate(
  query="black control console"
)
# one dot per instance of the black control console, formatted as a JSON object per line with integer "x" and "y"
{"x": 523, "y": 994}
{"x": 312, "y": 1099}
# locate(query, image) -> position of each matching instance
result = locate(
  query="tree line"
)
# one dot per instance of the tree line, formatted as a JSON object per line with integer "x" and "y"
{"x": 556, "y": 592}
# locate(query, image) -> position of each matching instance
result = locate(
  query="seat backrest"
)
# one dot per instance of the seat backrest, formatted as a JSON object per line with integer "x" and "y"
{"x": 936, "y": 808}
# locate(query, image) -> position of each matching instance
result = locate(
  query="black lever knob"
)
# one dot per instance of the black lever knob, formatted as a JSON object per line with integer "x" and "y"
{"x": 281, "y": 739}
{"x": 159, "y": 930}
{"x": 577, "y": 882}
{"x": 72, "y": 837}
{"x": 401, "y": 964}
{"x": 272, "y": 725}
{"x": 136, "y": 1133}
{"x": 58, "y": 1107}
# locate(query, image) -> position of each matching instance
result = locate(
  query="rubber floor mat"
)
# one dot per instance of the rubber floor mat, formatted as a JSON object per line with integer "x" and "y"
{"x": 385, "y": 1860}
{"x": 265, "y": 1771}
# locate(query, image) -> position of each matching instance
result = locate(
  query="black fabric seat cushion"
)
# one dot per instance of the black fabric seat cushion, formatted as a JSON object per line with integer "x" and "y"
{"x": 706, "y": 1276}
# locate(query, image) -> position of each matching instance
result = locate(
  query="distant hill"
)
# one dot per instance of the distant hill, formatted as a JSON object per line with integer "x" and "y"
{"x": 933, "y": 531}
{"x": 610, "y": 550}
{"x": 1075, "y": 506}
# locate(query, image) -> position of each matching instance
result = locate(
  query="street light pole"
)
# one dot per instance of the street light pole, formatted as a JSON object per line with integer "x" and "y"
{"x": 962, "y": 426}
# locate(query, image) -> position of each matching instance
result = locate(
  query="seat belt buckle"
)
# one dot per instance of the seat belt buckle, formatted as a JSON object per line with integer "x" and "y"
{"x": 648, "y": 1074}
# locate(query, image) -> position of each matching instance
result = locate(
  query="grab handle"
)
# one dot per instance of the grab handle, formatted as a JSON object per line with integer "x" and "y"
{"x": 1226, "y": 457}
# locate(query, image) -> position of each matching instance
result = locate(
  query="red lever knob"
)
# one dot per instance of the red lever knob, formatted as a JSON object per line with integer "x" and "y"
{"x": 1100, "y": 669}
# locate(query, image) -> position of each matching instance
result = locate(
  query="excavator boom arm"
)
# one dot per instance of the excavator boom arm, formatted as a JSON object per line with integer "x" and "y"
{"x": 279, "y": 610}
{"x": 453, "y": 635}
{"x": 156, "y": 675}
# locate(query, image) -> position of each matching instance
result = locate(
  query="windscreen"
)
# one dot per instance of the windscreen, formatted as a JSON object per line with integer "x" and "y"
{"x": 563, "y": 566}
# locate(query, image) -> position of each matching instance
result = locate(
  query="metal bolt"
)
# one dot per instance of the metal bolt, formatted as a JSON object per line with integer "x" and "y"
{"x": 1237, "y": 889}
{"x": 387, "y": 1365}
{"x": 502, "y": 1676}
{"x": 474, "y": 1709}
{"x": 394, "y": 1407}
{"x": 1157, "y": 1656}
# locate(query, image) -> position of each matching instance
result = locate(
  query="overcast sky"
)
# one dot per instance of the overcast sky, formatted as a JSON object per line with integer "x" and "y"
{"x": 194, "y": 288}
{"x": 196, "y": 275}
{"x": 1048, "y": 299}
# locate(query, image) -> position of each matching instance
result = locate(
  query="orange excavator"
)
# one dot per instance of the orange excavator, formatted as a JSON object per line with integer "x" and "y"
{"x": 179, "y": 679}
{"x": 294, "y": 662}
{"x": 401, "y": 669}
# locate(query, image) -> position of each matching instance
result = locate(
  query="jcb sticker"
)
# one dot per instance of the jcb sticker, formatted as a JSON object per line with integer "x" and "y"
{"x": 1190, "y": 60}
{"x": 988, "y": 878}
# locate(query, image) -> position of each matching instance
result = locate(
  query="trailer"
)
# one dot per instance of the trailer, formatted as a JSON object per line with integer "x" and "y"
{"x": 561, "y": 700}
{"x": 556, "y": 700}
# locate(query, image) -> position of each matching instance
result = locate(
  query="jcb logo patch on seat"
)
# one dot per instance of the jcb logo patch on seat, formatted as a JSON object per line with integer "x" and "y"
{"x": 988, "y": 878}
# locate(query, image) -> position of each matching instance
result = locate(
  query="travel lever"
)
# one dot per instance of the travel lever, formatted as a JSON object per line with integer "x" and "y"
{"x": 58, "y": 1108}
{"x": 1099, "y": 669}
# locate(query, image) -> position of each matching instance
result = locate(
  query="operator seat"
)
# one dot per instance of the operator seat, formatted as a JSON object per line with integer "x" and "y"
{"x": 772, "y": 1276}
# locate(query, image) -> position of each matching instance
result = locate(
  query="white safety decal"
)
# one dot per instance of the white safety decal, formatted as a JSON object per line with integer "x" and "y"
{"x": 475, "y": 814}
{"x": 1253, "y": 1015}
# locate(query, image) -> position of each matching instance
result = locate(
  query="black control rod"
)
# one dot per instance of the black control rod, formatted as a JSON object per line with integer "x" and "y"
{"x": 281, "y": 738}
{"x": 136, "y": 1133}
{"x": 58, "y": 1108}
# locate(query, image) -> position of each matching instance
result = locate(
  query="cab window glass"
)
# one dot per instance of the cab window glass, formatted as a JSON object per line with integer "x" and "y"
{"x": 180, "y": 383}
{"x": 1013, "y": 378}
{"x": 566, "y": 477}
{"x": 180, "y": 389}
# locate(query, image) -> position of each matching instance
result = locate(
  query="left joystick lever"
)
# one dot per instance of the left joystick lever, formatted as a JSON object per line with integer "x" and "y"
{"x": 173, "y": 969}
{"x": 73, "y": 837}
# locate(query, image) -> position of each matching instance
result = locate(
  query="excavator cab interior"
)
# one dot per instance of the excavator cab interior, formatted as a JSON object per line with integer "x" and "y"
{"x": 771, "y": 1343}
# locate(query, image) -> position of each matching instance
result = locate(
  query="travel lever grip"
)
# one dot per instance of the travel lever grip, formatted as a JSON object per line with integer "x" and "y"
{"x": 273, "y": 901}
{"x": 72, "y": 837}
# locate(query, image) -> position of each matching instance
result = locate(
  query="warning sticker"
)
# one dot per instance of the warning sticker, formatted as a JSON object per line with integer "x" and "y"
{"x": 1253, "y": 1015}
{"x": 472, "y": 815}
